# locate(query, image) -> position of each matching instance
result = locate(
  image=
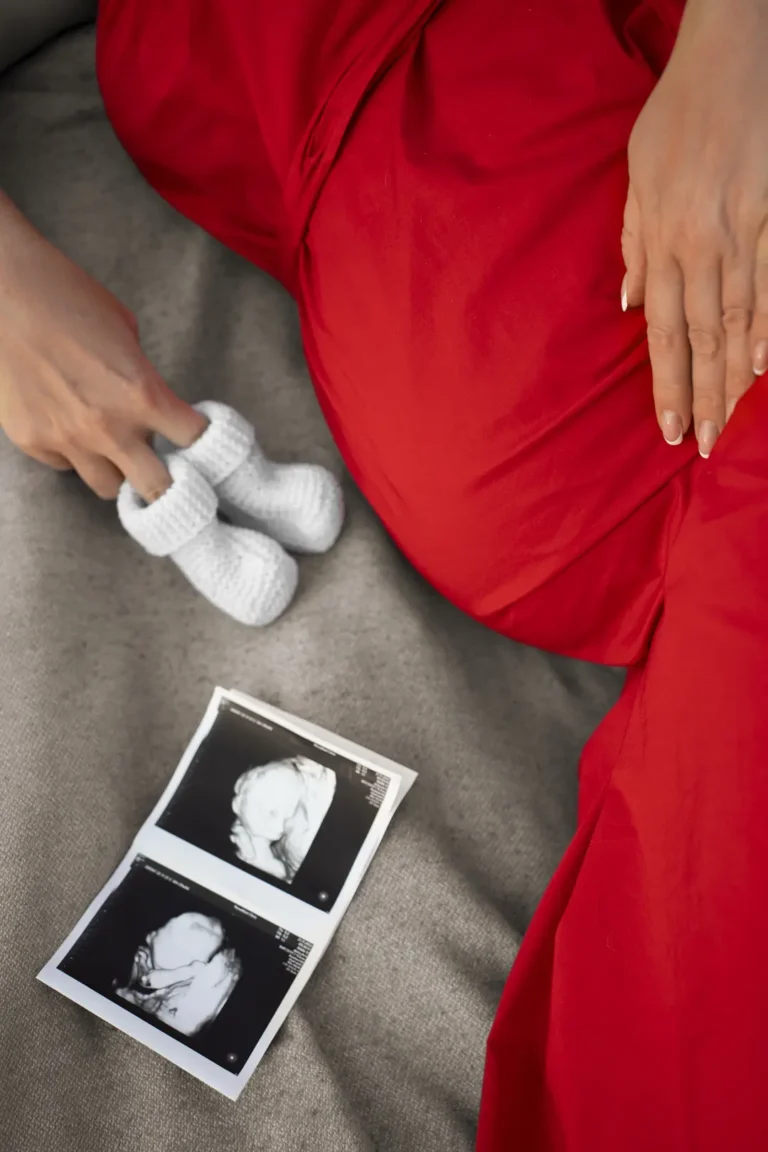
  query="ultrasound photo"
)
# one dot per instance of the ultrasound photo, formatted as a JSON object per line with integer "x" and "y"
{"x": 279, "y": 808}
{"x": 182, "y": 973}
{"x": 196, "y": 967}
{"x": 272, "y": 803}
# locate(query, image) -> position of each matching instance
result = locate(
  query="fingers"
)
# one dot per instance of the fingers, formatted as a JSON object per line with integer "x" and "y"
{"x": 51, "y": 459}
{"x": 759, "y": 334}
{"x": 161, "y": 411}
{"x": 98, "y": 473}
{"x": 702, "y": 340}
{"x": 139, "y": 465}
{"x": 154, "y": 409}
{"x": 144, "y": 471}
{"x": 704, "y": 313}
{"x": 633, "y": 251}
{"x": 179, "y": 423}
{"x": 704, "y": 279}
{"x": 104, "y": 471}
{"x": 737, "y": 312}
{"x": 107, "y": 444}
{"x": 669, "y": 349}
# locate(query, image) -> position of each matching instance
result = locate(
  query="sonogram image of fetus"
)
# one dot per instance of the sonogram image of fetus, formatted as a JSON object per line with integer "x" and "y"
{"x": 279, "y": 808}
{"x": 184, "y": 973}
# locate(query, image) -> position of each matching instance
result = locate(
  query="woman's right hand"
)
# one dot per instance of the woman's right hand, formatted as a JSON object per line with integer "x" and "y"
{"x": 76, "y": 390}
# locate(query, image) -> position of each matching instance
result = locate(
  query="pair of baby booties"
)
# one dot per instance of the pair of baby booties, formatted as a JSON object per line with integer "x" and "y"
{"x": 247, "y": 572}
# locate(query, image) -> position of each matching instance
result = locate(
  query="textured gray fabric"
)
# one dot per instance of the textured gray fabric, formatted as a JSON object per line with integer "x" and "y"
{"x": 26, "y": 24}
{"x": 108, "y": 660}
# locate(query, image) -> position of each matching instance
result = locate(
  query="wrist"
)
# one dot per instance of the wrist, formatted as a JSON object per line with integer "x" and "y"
{"x": 722, "y": 42}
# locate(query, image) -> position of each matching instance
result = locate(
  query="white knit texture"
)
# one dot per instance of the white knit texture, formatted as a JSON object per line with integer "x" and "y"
{"x": 178, "y": 517}
{"x": 300, "y": 505}
{"x": 224, "y": 445}
{"x": 241, "y": 571}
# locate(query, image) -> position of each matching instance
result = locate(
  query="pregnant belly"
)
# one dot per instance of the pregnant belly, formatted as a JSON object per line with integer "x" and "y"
{"x": 460, "y": 300}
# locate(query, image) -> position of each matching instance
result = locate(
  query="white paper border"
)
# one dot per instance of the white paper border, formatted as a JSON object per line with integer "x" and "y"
{"x": 229, "y": 1083}
{"x": 237, "y": 887}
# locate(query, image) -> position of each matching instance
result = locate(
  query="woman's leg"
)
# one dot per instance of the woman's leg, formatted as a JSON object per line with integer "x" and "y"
{"x": 636, "y": 1016}
{"x": 495, "y": 406}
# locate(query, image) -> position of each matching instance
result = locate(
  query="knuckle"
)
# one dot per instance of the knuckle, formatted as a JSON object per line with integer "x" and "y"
{"x": 23, "y": 435}
{"x": 737, "y": 319}
{"x": 663, "y": 338}
{"x": 29, "y": 440}
{"x": 143, "y": 387}
{"x": 706, "y": 402}
{"x": 58, "y": 444}
{"x": 27, "y": 444}
{"x": 705, "y": 342}
{"x": 85, "y": 425}
{"x": 761, "y": 285}
{"x": 99, "y": 423}
{"x": 699, "y": 232}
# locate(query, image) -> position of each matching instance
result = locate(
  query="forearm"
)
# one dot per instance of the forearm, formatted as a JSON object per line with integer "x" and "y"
{"x": 13, "y": 226}
{"x": 732, "y": 18}
{"x": 723, "y": 41}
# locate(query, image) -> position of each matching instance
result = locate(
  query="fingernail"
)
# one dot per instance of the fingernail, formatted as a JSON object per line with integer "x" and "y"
{"x": 672, "y": 428}
{"x": 760, "y": 363}
{"x": 625, "y": 300}
{"x": 707, "y": 436}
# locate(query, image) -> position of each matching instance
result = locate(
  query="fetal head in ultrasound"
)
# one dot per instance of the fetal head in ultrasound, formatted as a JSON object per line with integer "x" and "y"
{"x": 272, "y": 803}
{"x": 278, "y": 809}
{"x": 183, "y": 973}
{"x": 187, "y": 962}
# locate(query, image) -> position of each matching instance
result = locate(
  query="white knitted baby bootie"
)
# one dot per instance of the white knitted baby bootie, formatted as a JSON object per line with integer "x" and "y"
{"x": 243, "y": 572}
{"x": 298, "y": 504}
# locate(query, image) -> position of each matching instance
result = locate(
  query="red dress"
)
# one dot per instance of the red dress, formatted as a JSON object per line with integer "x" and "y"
{"x": 441, "y": 185}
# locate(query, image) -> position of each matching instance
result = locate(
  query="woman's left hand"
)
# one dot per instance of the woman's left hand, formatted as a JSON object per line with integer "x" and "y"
{"x": 695, "y": 239}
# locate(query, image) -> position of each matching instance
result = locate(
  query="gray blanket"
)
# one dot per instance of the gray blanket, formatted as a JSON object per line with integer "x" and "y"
{"x": 108, "y": 659}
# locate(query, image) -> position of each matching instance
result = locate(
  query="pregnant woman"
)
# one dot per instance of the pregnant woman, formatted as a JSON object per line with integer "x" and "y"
{"x": 443, "y": 187}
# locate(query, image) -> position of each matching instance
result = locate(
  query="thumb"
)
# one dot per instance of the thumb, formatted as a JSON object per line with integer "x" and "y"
{"x": 633, "y": 251}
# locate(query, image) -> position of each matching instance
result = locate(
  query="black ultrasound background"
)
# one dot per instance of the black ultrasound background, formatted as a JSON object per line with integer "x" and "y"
{"x": 200, "y": 811}
{"x": 102, "y": 959}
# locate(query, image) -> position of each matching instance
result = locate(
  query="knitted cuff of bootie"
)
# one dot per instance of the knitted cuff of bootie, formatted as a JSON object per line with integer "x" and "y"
{"x": 300, "y": 505}
{"x": 242, "y": 572}
{"x": 225, "y": 444}
{"x": 175, "y": 518}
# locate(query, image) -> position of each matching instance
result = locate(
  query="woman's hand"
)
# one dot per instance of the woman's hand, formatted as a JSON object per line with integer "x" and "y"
{"x": 696, "y": 222}
{"x": 76, "y": 391}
